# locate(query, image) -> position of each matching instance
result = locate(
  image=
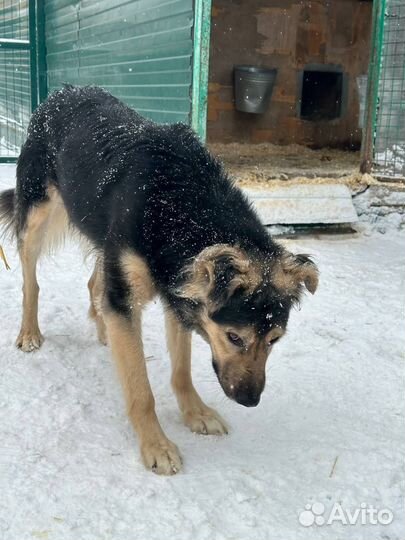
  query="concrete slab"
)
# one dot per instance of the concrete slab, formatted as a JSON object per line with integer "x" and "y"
{"x": 304, "y": 204}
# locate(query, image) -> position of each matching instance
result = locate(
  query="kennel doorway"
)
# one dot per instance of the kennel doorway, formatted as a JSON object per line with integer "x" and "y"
{"x": 319, "y": 50}
{"x": 293, "y": 156}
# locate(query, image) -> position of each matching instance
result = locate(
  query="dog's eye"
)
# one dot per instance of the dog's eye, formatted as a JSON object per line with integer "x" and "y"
{"x": 273, "y": 341}
{"x": 235, "y": 339}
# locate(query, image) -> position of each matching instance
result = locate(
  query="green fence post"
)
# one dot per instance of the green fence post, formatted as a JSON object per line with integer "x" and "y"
{"x": 370, "y": 120}
{"x": 33, "y": 53}
{"x": 41, "y": 51}
{"x": 15, "y": 91}
{"x": 199, "y": 97}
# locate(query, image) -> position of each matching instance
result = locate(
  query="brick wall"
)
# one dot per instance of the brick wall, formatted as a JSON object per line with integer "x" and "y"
{"x": 288, "y": 35}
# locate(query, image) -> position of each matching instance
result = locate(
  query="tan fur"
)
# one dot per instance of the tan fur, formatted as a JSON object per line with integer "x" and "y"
{"x": 222, "y": 347}
{"x": 57, "y": 226}
{"x": 125, "y": 339}
{"x": 288, "y": 274}
{"x": 200, "y": 273}
{"x": 138, "y": 276}
{"x": 46, "y": 224}
{"x": 158, "y": 452}
{"x": 196, "y": 414}
{"x": 239, "y": 365}
{"x": 29, "y": 248}
{"x": 96, "y": 290}
{"x": 274, "y": 333}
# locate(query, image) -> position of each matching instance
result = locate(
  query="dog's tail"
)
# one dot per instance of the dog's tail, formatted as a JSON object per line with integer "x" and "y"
{"x": 7, "y": 211}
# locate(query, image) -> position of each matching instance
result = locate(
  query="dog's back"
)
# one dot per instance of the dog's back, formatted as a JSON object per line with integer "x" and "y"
{"x": 125, "y": 178}
{"x": 75, "y": 143}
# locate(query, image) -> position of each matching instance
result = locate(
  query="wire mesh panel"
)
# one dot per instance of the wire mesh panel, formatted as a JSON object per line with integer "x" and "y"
{"x": 15, "y": 81}
{"x": 389, "y": 144}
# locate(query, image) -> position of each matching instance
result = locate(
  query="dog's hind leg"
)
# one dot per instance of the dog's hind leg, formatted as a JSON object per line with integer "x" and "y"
{"x": 31, "y": 210}
{"x": 196, "y": 414}
{"x": 39, "y": 221}
{"x": 30, "y": 243}
{"x": 96, "y": 290}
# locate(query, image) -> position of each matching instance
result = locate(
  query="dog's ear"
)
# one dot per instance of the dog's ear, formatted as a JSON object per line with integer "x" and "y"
{"x": 293, "y": 271}
{"x": 216, "y": 273}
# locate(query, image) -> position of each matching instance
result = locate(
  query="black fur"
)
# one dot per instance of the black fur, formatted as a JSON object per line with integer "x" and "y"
{"x": 127, "y": 182}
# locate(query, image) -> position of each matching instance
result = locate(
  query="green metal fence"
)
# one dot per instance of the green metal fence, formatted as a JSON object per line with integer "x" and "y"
{"x": 15, "y": 76}
{"x": 383, "y": 148}
{"x": 153, "y": 54}
{"x": 389, "y": 145}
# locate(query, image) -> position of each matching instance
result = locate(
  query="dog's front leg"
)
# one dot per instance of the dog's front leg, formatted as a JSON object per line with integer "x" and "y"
{"x": 125, "y": 337}
{"x": 196, "y": 414}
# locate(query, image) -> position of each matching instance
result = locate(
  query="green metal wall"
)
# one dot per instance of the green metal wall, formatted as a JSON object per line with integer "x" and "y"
{"x": 139, "y": 50}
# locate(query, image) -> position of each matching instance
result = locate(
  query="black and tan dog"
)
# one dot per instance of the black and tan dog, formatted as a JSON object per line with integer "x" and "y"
{"x": 163, "y": 218}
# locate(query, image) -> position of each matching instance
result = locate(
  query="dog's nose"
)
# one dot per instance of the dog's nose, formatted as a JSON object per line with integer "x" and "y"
{"x": 247, "y": 398}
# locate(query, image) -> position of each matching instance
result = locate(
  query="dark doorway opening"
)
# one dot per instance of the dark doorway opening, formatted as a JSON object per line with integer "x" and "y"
{"x": 322, "y": 93}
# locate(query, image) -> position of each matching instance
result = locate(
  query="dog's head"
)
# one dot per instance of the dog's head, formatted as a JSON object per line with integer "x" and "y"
{"x": 243, "y": 303}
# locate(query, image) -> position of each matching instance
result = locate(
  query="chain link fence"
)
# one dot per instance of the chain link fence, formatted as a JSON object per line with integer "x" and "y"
{"x": 389, "y": 142}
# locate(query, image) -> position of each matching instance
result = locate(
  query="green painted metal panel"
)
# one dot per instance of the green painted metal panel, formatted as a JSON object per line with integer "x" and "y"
{"x": 139, "y": 50}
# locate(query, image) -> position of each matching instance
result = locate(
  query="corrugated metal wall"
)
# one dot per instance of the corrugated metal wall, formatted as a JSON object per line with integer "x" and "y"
{"x": 139, "y": 50}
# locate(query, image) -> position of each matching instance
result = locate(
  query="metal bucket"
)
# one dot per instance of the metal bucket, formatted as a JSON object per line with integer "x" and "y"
{"x": 253, "y": 88}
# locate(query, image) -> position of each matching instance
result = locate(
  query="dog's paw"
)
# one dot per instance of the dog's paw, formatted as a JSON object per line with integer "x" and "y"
{"x": 206, "y": 422}
{"x": 29, "y": 341}
{"x": 161, "y": 457}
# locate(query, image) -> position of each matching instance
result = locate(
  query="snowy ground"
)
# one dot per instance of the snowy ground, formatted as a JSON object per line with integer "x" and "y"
{"x": 69, "y": 465}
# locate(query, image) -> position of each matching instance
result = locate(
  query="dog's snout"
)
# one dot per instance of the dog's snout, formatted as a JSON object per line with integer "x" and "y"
{"x": 239, "y": 385}
{"x": 248, "y": 397}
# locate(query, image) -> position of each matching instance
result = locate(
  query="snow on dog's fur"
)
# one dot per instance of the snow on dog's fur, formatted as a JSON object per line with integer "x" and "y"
{"x": 163, "y": 219}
